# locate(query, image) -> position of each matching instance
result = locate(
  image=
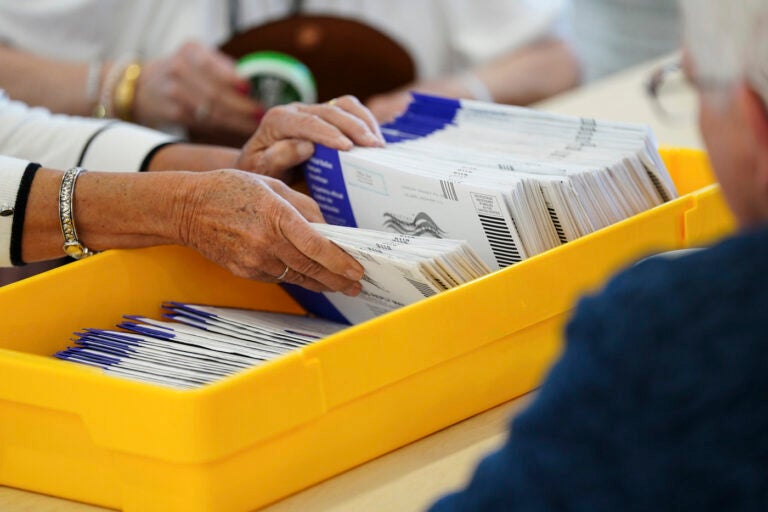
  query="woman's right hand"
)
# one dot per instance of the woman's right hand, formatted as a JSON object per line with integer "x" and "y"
{"x": 252, "y": 225}
{"x": 257, "y": 226}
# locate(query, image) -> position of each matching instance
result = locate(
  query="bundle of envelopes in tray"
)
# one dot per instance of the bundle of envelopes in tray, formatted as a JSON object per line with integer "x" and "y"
{"x": 197, "y": 345}
{"x": 399, "y": 270}
{"x": 512, "y": 181}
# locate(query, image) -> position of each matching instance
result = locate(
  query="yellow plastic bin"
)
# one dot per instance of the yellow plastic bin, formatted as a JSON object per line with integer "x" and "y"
{"x": 71, "y": 431}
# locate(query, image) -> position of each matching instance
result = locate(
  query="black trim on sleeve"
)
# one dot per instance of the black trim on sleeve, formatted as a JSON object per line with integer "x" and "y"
{"x": 20, "y": 211}
{"x": 148, "y": 159}
{"x": 91, "y": 139}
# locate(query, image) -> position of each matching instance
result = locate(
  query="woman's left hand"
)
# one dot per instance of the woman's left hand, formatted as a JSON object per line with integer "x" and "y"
{"x": 286, "y": 134}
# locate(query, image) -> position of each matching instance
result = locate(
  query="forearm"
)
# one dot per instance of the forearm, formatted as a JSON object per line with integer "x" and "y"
{"x": 193, "y": 157}
{"x": 522, "y": 77}
{"x": 58, "y": 86}
{"x": 111, "y": 211}
{"x": 531, "y": 74}
{"x": 252, "y": 225}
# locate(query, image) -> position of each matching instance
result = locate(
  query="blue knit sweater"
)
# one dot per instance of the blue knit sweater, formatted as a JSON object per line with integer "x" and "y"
{"x": 660, "y": 401}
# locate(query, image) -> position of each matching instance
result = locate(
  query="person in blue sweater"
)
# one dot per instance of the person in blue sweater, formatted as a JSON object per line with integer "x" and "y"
{"x": 660, "y": 400}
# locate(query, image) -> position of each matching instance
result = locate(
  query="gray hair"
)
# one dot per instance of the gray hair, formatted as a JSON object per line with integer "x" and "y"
{"x": 728, "y": 41}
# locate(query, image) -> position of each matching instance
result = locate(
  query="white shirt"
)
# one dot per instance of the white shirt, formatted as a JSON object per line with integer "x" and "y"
{"x": 443, "y": 36}
{"x": 59, "y": 142}
{"x": 85, "y": 30}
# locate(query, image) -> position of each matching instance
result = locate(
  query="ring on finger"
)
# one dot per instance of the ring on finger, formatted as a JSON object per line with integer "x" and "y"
{"x": 285, "y": 273}
{"x": 202, "y": 111}
{"x": 332, "y": 102}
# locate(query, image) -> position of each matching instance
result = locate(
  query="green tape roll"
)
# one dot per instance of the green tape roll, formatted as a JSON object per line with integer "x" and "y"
{"x": 277, "y": 78}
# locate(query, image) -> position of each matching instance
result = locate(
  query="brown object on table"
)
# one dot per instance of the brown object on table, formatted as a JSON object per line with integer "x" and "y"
{"x": 344, "y": 56}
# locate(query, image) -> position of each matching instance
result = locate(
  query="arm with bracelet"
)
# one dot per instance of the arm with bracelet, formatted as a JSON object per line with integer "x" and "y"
{"x": 103, "y": 89}
{"x": 195, "y": 86}
{"x": 252, "y": 224}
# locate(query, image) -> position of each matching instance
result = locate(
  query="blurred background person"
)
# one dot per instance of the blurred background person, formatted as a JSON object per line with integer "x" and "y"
{"x": 479, "y": 49}
{"x": 515, "y": 52}
{"x": 155, "y": 62}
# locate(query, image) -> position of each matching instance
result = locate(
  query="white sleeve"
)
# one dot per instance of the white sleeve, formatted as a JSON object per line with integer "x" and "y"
{"x": 60, "y": 142}
{"x": 11, "y": 172}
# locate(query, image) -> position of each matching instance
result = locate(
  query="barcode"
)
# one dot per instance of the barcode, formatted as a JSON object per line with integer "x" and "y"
{"x": 449, "y": 190}
{"x": 558, "y": 225}
{"x": 425, "y": 289}
{"x": 500, "y": 240}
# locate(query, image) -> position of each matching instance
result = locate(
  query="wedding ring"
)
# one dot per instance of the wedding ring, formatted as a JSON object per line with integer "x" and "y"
{"x": 202, "y": 111}
{"x": 332, "y": 102}
{"x": 285, "y": 273}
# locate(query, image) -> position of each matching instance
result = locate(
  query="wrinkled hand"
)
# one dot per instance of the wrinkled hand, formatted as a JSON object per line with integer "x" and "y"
{"x": 285, "y": 136}
{"x": 255, "y": 226}
{"x": 196, "y": 87}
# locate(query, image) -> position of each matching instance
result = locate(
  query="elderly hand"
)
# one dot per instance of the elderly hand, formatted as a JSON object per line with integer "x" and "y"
{"x": 197, "y": 87}
{"x": 284, "y": 138}
{"x": 257, "y": 227}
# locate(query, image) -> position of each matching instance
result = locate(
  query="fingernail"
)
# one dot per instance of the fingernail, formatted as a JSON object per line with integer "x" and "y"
{"x": 353, "y": 290}
{"x": 371, "y": 139}
{"x": 258, "y": 115}
{"x": 345, "y": 143}
{"x": 305, "y": 149}
{"x": 243, "y": 88}
{"x": 354, "y": 274}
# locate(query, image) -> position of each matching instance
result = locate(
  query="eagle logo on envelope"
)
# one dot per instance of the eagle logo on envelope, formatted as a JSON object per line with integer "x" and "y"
{"x": 421, "y": 225}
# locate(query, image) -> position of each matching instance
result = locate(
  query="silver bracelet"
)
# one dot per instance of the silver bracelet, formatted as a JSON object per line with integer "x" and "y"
{"x": 105, "y": 107}
{"x": 72, "y": 246}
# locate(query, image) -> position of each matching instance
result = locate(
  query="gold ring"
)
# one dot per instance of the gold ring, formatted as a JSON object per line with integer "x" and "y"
{"x": 285, "y": 273}
{"x": 333, "y": 102}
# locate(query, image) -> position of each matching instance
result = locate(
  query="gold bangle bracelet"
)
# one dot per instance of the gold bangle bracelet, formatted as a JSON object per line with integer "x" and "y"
{"x": 125, "y": 91}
